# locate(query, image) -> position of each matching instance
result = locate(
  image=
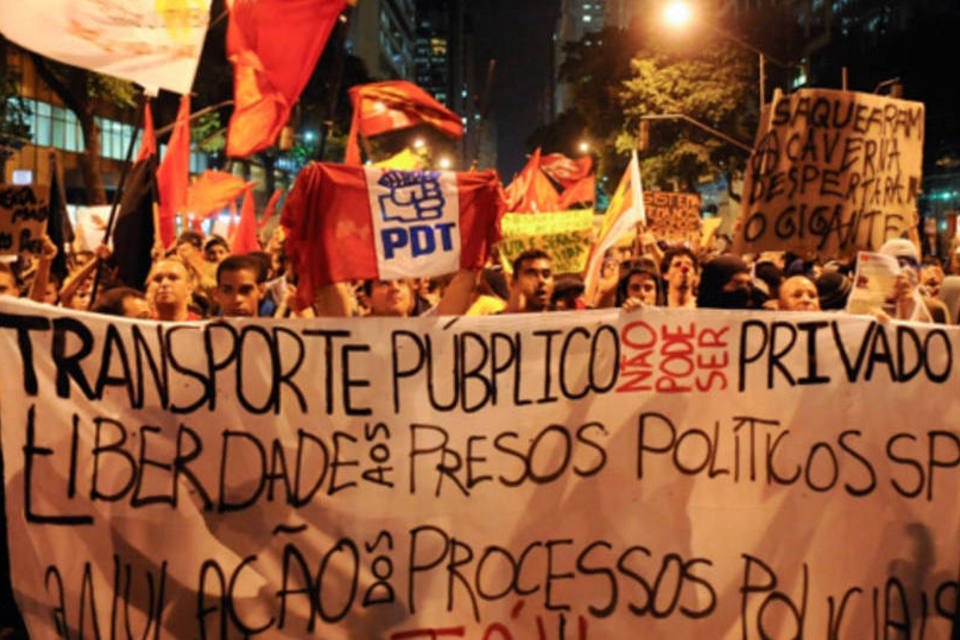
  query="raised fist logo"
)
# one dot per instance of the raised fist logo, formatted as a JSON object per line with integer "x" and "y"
{"x": 413, "y": 196}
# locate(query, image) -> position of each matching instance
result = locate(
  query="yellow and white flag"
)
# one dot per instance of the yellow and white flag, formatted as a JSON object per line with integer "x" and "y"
{"x": 155, "y": 43}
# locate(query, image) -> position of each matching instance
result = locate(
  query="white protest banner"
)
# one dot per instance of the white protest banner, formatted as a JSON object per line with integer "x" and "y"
{"x": 674, "y": 217}
{"x": 155, "y": 43}
{"x": 832, "y": 172}
{"x": 24, "y": 211}
{"x": 664, "y": 474}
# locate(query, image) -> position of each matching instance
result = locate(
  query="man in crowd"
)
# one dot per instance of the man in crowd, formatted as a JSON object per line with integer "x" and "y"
{"x": 531, "y": 285}
{"x": 8, "y": 281}
{"x": 239, "y": 286}
{"x": 123, "y": 301}
{"x": 798, "y": 293}
{"x": 170, "y": 285}
{"x": 681, "y": 271}
{"x": 639, "y": 288}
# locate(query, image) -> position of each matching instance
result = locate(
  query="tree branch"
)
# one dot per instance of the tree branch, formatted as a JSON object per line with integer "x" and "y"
{"x": 73, "y": 102}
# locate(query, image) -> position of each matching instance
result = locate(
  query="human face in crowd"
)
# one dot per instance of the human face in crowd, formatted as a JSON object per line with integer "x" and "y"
{"x": 681, "y": 272}
{"x": 642, "y": 287}
{"x": 534, "y": 281}
{"x": 931, "y": 277}
{"x": 799, "y": 293}
{"x": 215, "y": 253}
{"x": 8, "y": 285}
{"x": 238, "y": 293}
{"x": 740, "y": 281}
{"x": 135, "y": 307}
{"x": 171, "y": 284}
{"x": 51, "y": 293}
{"x": 391, "y": 298}
{"x": 81, "y": 299}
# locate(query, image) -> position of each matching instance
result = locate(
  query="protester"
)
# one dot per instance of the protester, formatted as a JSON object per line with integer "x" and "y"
{"x": 215, "y": 250}
{"x": 8, "y": 281}
{"x": 639, "y": 288}
{"x": 681, "y": 272}
{"x": 531, "y": 286}
{"x": 240, "y": 286}
{"x": 491, "y": 294}
{"x": 78, "y": 287}
{"x": 725, "y": 283}
{"x": 798, "y": 293}
{"x": 907, "y": 301}
{"x": 833, "y": 289}
{"x": 931, "y": 278}
{"x": 567, "y": 292}
{"x": 125, "y": 302}
{"x": 949, "y": 295}
{"x": 170, "y": 284}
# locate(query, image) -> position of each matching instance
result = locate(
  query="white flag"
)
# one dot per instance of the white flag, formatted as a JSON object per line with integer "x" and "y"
{"x": 155, "y": 43}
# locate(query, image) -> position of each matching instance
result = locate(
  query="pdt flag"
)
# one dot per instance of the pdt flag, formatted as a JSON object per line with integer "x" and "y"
{"x": 351, "y": 223}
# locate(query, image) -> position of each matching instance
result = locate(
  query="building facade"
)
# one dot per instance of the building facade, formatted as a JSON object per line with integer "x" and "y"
{"x": 382, "y": 34}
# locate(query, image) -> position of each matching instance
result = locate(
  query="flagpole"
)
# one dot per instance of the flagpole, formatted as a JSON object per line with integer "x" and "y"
{"x": 118, "y": 193}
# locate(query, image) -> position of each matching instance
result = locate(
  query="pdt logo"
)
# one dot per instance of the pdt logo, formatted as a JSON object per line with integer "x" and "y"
{"x": 414, "y": 216}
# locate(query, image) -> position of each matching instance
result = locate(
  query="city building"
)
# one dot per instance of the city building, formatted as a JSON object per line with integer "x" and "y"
{"x": 577, "y": 19}
{"x": 382, "y": 34}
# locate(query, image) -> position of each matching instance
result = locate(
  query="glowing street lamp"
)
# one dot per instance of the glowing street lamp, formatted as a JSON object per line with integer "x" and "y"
{"x": 677, "y": 14}
{"x": 444, "y": 163}
{"x": 584, "y": 146}
{"x": 419, "y": 143}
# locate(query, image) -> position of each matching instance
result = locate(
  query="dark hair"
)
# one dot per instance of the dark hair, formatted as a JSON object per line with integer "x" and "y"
{"x": 624, "y": 282}
{"x": 214, "y": 241}
{"x": 528, "y": 254}
{"x": 243, "y": 263}
{"x": 771, "y": 275}
{"x": 111, "y": 302}
{"x": 672, "y": 253}
{"x": 191, "y": 237}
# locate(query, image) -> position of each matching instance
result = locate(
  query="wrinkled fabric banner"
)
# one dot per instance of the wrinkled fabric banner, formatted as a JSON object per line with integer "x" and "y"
{"x": 661, "y": 474}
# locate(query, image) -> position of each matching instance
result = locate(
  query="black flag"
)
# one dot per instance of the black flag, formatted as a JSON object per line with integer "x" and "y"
{"x": 59, "y": 229}
{"x": 133, "y": 233}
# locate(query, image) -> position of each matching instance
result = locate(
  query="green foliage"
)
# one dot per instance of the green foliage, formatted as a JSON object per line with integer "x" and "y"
{"x": 716, "y": 88}
{"x": 208, "y": 132}
{"x": 119, "y": 93}
{"x": 14, "y": 112}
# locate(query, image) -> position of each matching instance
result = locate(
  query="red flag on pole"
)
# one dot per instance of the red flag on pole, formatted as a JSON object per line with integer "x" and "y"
{"x": 271, "y": 208}
{"x": 274, "y": 46}
{"x": 245, "y": 238}
{"x": 173, "y": 176}
{"x": 148, "y": 141}
{"x": 380, "y": 107}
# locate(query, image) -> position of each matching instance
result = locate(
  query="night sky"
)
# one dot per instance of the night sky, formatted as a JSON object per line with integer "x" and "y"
{"x": 519, "y": 35}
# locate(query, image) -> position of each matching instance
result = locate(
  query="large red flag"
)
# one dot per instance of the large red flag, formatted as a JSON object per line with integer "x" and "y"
{"x": 148, "y": 141}
{"x": 274, "y": 46}
{"x": 380, "y": 107}
{"x": 566, "y": 171}
{"x": 349, "y": 223}
{"x": 245, "y": 238}
{"x": 173, "y": 176}
{"x": 213, "y": 191}
{"x": 531, "y": 191}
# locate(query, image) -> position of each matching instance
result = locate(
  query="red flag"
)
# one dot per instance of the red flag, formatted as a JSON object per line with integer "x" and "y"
{"x": 531, "y": 191}
{"x": 270, "y": 209}
{"x": 274, "y": 46}
{"x": 232, "y": 224}
{"x": 516, "y": 190}
{"x": 213, "y": 191}
{"x": 173, "y": 176}
{"x": 348, "y": 223}
{"x": 581, "y": 192}
{"x": 245, "y": 239}
{"x": 566, "y": 171}
{"x": 380, "y": 107}
{"x": 148, "y": 141}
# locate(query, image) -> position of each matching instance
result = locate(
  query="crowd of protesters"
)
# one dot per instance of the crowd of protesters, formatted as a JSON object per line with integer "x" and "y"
{"x": 199, "y": 278}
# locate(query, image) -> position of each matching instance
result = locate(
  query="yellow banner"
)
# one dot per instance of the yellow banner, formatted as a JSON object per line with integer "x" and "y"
{"x": 565, "y": 235}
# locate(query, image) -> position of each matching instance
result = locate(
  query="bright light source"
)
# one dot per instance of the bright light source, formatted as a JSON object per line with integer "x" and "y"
{"x": 444, "y": 163}
{"x": 22, "y": 176}
{"x": 309, "y": 136}
{"x": 678, "y": 14}
{"x": 584, "y": 146}
{"x": 419, "y": 143}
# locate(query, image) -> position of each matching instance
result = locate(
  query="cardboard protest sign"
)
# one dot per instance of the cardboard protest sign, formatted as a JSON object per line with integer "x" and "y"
{"x": 24, "y": 211}
{"x": 675, "y": 474}
{"x": 674, "y": 217}
{"x": 565, "y": 235}
{"x": 832, "y": 172}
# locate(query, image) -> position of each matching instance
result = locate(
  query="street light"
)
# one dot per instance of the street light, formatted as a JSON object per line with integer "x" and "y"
{"x": 678, "y": 14}
{"x": 419, "y": 143}
{"x": 444, "y": 162}
{"x": 584, "y": 146}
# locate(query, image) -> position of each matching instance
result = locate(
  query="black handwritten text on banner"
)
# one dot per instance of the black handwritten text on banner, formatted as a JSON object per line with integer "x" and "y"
{"x": 833, "y": 172}
{"x": 594, "y": 475}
